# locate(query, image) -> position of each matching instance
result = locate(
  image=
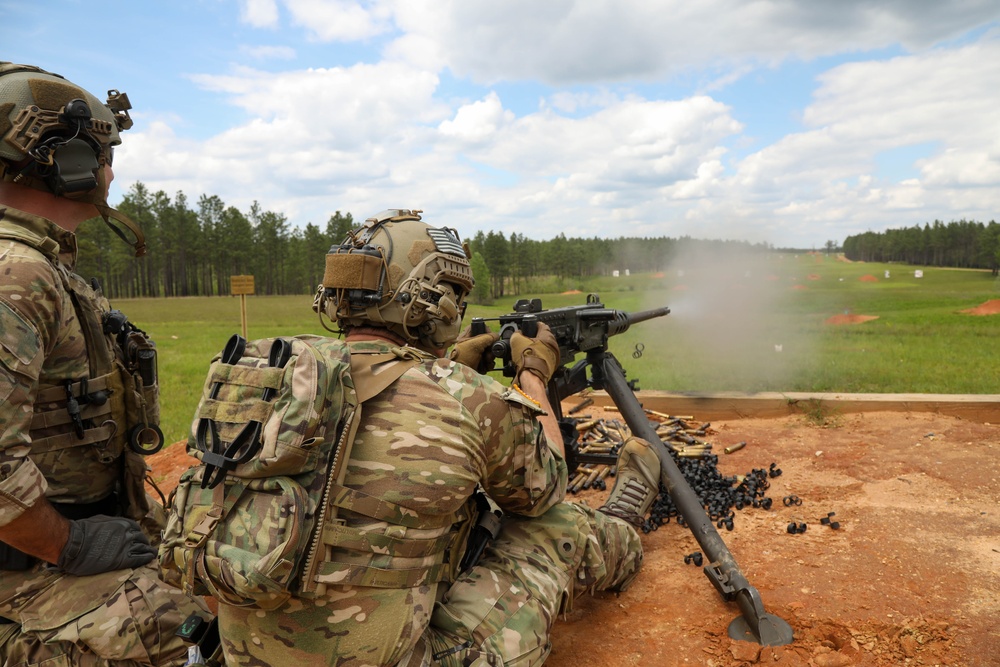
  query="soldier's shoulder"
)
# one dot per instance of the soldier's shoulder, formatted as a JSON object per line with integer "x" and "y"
{"x": 23, "y": 264}
{"x": 460, "y": 380}
{"x": 33, "y": 290}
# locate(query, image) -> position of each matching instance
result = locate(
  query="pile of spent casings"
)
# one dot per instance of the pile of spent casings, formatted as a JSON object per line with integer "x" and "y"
{"x": 720, "y": 495}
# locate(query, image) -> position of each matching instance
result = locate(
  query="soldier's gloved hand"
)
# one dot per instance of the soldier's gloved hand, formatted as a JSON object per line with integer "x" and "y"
{"x": 538, "y": 355}
{"x": 475, "y": 351}
{"x": 102, "y": 544}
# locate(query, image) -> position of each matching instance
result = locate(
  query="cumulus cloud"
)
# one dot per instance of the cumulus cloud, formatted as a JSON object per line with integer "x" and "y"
{"x": 259, "y": 13}
{"x": 604, "y": 159}
{"x": 478, "y": 121}
{"x": 323, "y": 20}
{"x": 943, "y": 98}
{"x": 333, "y": 138}
{"x": 568, "y": 41}
{"x": 309, "y": 133}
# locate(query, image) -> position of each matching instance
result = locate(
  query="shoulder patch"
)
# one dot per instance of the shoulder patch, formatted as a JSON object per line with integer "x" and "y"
{"x": 17, "y": 336}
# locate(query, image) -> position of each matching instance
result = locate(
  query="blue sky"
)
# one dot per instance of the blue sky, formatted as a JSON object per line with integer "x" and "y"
{"x": 792, "y": 122}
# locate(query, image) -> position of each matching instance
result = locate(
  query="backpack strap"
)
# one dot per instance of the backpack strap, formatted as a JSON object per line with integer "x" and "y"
{"x": 371, "y": 373}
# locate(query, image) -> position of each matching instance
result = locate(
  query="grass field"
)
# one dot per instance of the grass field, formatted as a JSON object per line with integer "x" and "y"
{"x": 736, "y": 324}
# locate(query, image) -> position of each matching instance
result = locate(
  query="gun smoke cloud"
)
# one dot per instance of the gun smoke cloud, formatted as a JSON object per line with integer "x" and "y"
{"x": 729, "y": 327}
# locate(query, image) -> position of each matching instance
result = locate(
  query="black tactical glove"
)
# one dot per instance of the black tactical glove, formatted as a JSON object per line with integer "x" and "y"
{"x": 538, "y": 355}
{"x": 102, "y": 544}
{"x": 475, "y": 351}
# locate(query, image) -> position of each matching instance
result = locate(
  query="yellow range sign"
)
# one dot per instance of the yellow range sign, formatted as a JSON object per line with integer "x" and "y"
{"x": 240, "y": 285}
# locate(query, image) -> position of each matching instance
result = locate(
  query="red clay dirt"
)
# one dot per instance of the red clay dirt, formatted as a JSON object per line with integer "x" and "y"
{"x": 868, "y": 278}
{"x": 991, "y": 307}
{"x": 911, "y": 577}
{"x": 849, "y": 319}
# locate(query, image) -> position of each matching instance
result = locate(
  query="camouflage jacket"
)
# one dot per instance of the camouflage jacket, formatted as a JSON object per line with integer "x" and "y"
{"x": 41, "y": 343}
{"x": 442, "y": 428}
{"x": 422, "y": 446}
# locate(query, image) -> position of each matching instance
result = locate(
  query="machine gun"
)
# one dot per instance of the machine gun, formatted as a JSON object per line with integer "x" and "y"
{"x": 577, "y": 329}
{"x": 586, "y": 329}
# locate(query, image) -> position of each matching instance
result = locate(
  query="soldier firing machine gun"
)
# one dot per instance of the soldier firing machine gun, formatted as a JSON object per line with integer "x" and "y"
{"x": 586, "y": 329}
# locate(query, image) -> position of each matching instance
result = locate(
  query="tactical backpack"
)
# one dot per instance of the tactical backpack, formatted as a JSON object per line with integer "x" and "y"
{"x": 273, "y": 431}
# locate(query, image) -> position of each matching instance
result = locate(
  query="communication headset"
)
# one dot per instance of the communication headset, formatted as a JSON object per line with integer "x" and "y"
{"x": 69, "y": 164}
{"x": 63, "y": 151}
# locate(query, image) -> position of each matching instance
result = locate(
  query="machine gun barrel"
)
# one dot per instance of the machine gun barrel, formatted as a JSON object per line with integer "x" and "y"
{"x": 622, "y": 320}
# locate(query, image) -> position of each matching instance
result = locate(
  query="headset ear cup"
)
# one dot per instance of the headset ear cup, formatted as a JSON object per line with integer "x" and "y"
{"x": 74, "y": 169}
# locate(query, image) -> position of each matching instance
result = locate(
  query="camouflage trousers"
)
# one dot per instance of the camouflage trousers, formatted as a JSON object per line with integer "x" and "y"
{"x": 499, "y": 613}
{"x": 121, "y": 618}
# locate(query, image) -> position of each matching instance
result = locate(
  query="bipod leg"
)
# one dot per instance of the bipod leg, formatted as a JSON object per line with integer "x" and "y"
{"x": 755, "y": 624}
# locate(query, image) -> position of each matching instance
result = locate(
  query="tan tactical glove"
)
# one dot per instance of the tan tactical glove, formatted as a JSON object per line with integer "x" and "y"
{"x": 475, "y": 351}
{"x": 538, "y": 355}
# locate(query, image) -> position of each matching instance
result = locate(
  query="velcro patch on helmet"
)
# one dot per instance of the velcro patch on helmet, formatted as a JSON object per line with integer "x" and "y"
{"x": 352, "y": 271}
{"x": 396, "y": 275}
{"x": 53, "y": 95}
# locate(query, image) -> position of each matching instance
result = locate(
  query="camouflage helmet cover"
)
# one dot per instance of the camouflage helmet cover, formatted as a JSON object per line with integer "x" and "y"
{"x": 399, "y": 273}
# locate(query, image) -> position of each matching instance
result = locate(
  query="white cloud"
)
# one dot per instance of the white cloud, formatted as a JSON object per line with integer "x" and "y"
{"x": 268, "y": 52}
{"x": 321, "y": 140}
{"x": 573, "y": 101}
{"x": 945, "y": 98}
{"x": 259, "y": 13}
{"x": 311, "y": 136}
{"x": 597, "y": 159}
{"x": 569, "y": 41}
{"x": 339, "y": 20}
{"x": 478, "y": 121}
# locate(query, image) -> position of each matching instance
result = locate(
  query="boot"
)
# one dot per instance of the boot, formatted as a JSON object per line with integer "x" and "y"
{"x": 637, "y": 483}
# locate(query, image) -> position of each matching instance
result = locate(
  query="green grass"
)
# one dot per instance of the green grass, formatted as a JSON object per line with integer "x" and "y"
{"x": 727, "y": 319}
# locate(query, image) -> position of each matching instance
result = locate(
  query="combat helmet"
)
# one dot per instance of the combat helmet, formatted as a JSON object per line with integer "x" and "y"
{"x": 56, "y": 137}
{"x": 398, "y": 273}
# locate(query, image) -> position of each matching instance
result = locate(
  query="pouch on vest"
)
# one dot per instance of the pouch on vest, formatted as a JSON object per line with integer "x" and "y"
{"x": 269, "y": 417}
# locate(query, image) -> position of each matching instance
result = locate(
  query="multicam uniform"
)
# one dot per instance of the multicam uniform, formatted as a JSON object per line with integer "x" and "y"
{"x": 122, "y": 617}
{"x": 423, "y": 446}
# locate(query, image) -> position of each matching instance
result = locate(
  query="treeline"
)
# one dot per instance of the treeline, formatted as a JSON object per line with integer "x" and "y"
{"x": 193, "y": 251}
{"x": 959, "y": 244}
{"x": 506, "y": 263}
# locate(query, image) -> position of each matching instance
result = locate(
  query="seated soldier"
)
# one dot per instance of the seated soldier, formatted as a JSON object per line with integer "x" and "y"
{"x": 424, "y": 446}
{"x": 77, "y": 586}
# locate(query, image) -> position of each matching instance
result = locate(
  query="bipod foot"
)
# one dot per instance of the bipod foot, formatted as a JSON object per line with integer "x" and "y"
{"x": 756, "y": 625}
{"x": 771, "y": 630}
